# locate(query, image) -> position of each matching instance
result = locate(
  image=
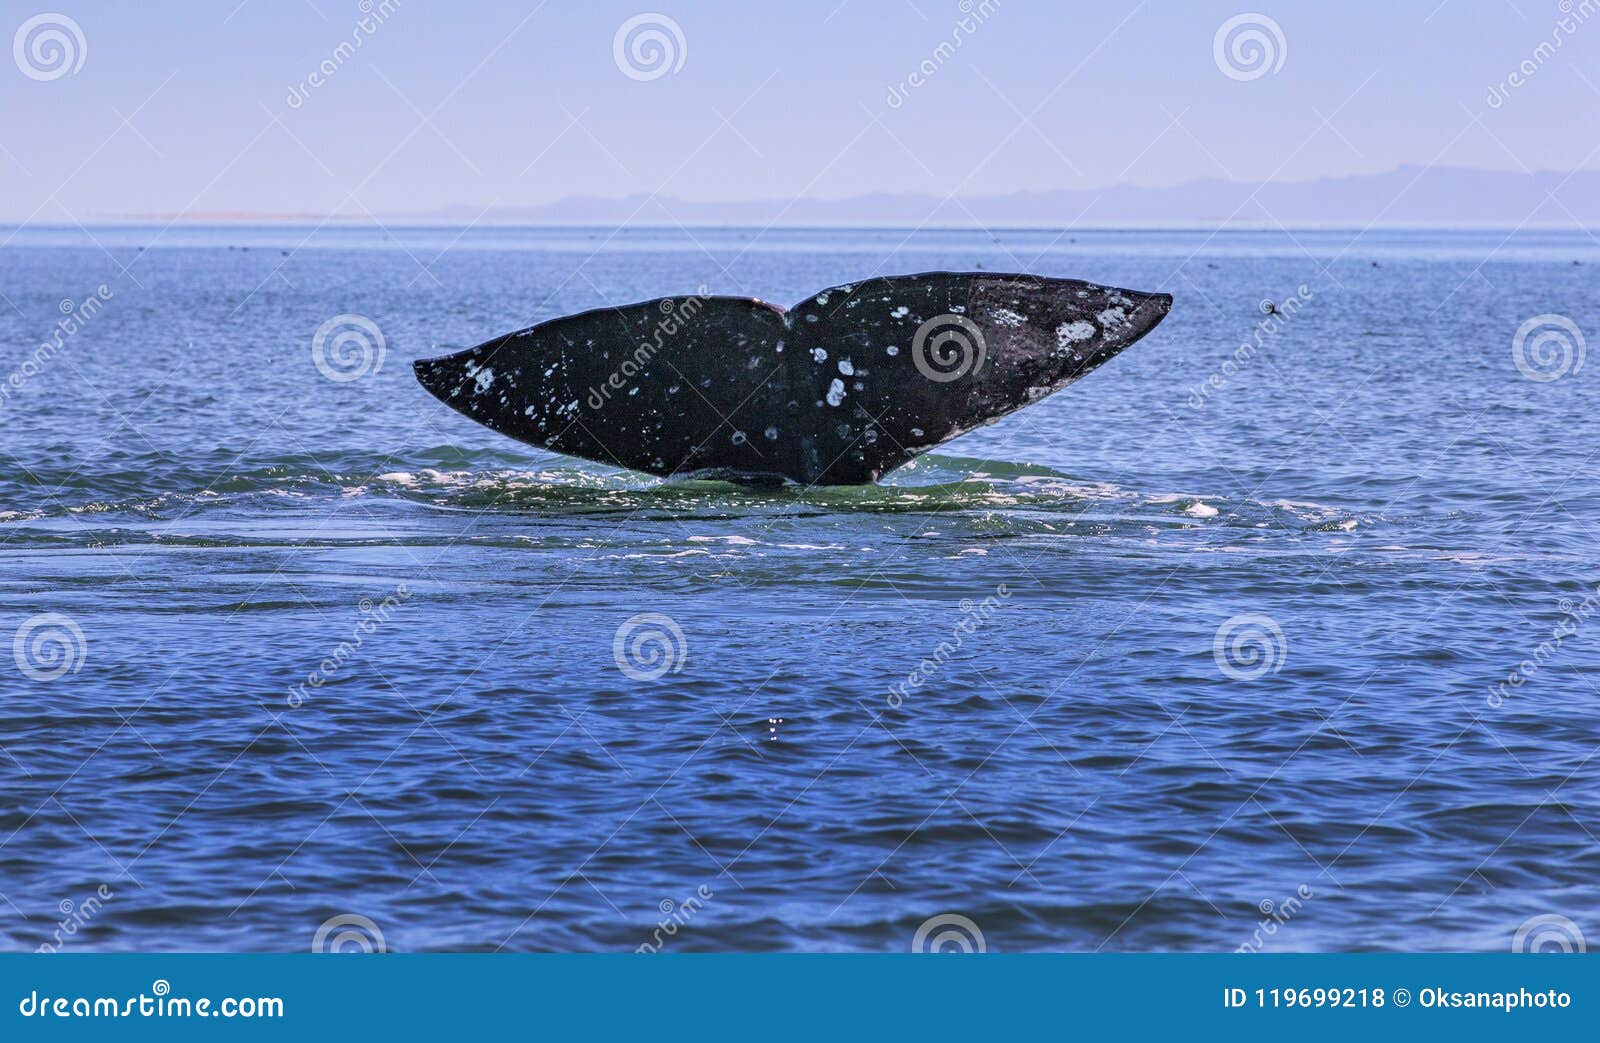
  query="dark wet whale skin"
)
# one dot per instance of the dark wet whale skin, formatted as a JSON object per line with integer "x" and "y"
{"x": 828, "y": 393}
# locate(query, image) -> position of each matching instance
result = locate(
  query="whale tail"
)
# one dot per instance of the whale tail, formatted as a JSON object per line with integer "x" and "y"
{"x": 843, "y": 388}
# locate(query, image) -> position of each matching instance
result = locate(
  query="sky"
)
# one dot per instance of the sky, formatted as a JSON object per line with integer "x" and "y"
{"x": 173, "y": 106}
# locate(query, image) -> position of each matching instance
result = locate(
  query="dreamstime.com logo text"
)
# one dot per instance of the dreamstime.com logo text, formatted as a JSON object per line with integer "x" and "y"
{"x": 1573, "y": 616}
{"x": 1276, "y": 914}
{"x": 372, "y": 616}
{"x": 157, "y": 1003}
{"x": 1274, "y": 318}
{"x": 373, "y": 15}
{"x": 675, "y": 315}
{"x": 74, "y": 917}
{"x": 973, "y": 14}
{"x": 74, "y": 317}
{"x": 649, "y": 46}
{"x": 973, "y": 616}
{"x": 1574, "y": 14}
{"x": 673, "y": 916}
{"x": 49, "y": 46}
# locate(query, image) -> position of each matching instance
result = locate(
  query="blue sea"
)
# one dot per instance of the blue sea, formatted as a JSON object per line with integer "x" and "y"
{"x": 1277, "y": 632}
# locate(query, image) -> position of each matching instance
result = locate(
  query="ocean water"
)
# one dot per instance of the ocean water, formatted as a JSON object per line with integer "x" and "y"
{"x": 1201, "y": 653}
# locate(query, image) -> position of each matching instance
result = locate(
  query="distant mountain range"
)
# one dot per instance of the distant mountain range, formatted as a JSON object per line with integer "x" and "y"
{"x": 1409, "y": 195}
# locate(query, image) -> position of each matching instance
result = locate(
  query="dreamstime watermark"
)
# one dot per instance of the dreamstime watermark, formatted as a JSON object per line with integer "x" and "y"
{"x": 348, "y": 347}
{"x": 949, "y": 932}
{"x": 973, "y": 616}
{"x": 157, "y": 1003}
{"x": 1548, "y": 347}
{"x": 649, "y": 46}
{"x": 372, "y": 616}
{"x": 1276, "y": 915}
{"x": 348, "y": 932}
{"x": 48, "y": 646}
{"x": 75, "y": 916}
{"x": 1274, "y": 318}
{"x": 673, "y": 916}
{"x": 973, "y": 15}
{"x": 1548, "y": 933}
{"x": 948, "y": 347}
{"x": 374, "y": 15}
{"x": 1573, "y": 616}
{"x": 1249, "y": 46}
{"x": 1249, "y": 646}
{"x": 74, "y": 317}
{"x": 675, "y": 315}
{"x": 49, "y": 46}
{"x": 649, "y": 646}
{"x": 1575, "y": 14}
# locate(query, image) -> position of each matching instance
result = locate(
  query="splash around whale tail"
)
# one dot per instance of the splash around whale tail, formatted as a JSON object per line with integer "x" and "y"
{"x": 839, "y": 390}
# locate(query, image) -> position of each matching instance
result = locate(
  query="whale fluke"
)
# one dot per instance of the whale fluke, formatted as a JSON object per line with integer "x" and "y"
{"x": 840, "y": 390}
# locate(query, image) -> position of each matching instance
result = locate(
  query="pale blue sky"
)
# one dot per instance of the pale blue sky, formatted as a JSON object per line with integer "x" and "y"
{"x": 528, "y": 104}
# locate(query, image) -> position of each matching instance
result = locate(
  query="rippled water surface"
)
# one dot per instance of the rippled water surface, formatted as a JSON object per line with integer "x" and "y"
{"x": 1162, "y": 662}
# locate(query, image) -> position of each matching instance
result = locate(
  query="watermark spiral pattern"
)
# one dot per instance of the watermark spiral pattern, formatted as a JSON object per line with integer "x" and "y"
{"x": 1548, "y": 933}
{"x": 348, "y": 932}
{"x": 49, "y": 46}
{"x": 348, "y": 347}
{"x": 1548, "y": 347}
{"x": 1249, "y": 646}
{"x": 649, "y": 646}
{"x": 649, "y": 46}
{"x": 948, "y": 932}
{"x": 49, "y": 645}
{"x": 1249, "y": 46}
{"x": 948, "y": 347}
